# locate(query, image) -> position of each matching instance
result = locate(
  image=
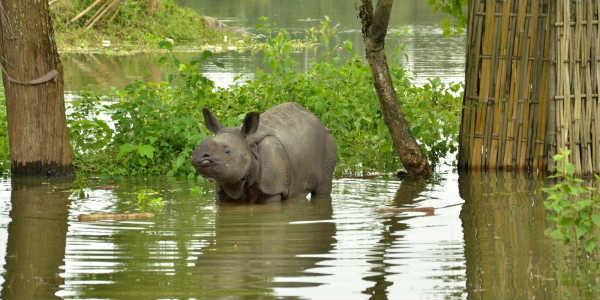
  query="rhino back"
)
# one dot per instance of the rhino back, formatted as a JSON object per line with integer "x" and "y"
{"x": 311, "y": 149}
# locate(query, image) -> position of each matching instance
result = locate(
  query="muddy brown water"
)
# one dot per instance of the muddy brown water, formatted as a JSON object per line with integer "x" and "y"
{"x": 485, "y": 241}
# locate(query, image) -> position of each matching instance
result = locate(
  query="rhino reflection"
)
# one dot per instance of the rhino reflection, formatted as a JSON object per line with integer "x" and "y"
{"x": 255, "y": 245}
{"x": 36, "y": 241}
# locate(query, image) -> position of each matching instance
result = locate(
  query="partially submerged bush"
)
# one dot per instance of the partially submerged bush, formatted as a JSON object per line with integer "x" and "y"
{"x": 155, "y": 127}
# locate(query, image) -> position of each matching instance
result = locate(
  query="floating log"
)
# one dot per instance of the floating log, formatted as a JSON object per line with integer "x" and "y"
{"x": 106, "y": 187}
{"x": 95, "y": 217}
{"x": 428, "y": 210}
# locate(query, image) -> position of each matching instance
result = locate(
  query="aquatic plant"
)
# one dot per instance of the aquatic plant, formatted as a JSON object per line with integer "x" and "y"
{"x": 572, "y": 206}
{"x": 152, "y": 128}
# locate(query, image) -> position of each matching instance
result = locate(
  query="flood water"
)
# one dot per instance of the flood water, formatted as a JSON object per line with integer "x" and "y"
{"x": 444, "y": 56}
{"x": 485, "y": 241}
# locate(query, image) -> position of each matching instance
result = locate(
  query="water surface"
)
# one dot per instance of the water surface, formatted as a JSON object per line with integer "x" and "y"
{"x": 485, "y": 241}
{"x": 413, "y": 28}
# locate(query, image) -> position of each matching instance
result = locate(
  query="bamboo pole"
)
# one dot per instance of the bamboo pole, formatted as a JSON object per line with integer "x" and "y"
{"x": 488, "y": 76}
{"x": 85, "y": 11}
{"x": 503, "y": 66}
{"x": 536, "y": 79}
{"x": 479, "y": 119}
{"x": 596, "y": 104}
{"x": 109, "y": 7}
{"x": 507, "y": 95}
{"x": 95, "y": 15}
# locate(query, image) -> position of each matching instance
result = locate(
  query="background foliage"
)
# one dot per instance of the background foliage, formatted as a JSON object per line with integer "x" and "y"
{"x": 151, "y": 129}
{"x": 133, "y": 27}
{"x": 157, "y": 126}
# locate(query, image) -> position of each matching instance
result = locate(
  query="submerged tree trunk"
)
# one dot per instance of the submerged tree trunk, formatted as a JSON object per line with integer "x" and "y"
{"x": 33, "y": 83}
{"x": 374, "y": 29}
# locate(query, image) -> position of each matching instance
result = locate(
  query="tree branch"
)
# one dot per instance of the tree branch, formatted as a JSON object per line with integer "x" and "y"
{"x": 374, "y": 25}
{"x": 381, "y": 20}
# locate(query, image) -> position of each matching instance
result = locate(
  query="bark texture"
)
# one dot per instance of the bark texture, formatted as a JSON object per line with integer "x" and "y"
{"x": 374, "y": 29}
{"x": 33, "y": 80}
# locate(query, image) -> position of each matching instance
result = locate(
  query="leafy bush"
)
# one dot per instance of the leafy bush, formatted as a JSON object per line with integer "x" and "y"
{"x": 572, "y": 207}
{"x": 132, "y": 27}
{"x": 149, "y": 128}
{"x": 157, "y": 126}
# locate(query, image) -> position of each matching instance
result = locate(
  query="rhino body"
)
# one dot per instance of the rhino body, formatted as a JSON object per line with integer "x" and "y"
{"x": 284, "y": 152}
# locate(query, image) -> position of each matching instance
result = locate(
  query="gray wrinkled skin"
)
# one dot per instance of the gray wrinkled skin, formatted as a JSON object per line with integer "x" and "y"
{"x": 285, "y": 152}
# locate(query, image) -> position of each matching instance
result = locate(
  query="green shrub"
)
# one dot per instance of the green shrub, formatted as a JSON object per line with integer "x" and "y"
{"x": 157, "y": 126}
{"x": 133, "y": 26}
{"x": 572, "y": 207}
{"x": 154, "y": 128}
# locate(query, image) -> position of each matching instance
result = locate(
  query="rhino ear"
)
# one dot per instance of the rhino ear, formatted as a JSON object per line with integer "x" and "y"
{"x": 250, "y": 123}
{"x": 211, "y": 122}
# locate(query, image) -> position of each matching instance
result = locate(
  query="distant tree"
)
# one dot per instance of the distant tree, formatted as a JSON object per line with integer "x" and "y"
{"x": 457, "y": 22}
{"x": 374, "y": 29}
{"x": 154, "y": 5}
{"x": 33, "y": 85}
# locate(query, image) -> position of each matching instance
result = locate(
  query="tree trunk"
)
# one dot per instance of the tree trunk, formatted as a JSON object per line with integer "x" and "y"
{"x": 154, "y": 6}
{"x": 33, "y": 83}
{"x": 374, "y": 28}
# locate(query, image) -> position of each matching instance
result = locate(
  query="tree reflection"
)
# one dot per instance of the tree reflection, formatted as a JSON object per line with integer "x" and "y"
{"x": 36, "y": 240}
{"x": 406, "y": 195}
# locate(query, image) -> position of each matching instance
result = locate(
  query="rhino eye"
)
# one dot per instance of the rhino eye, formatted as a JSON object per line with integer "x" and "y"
{"x": 227, "y": 151}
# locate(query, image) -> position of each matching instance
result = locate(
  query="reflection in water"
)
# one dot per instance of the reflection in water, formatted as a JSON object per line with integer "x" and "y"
{"x": 36, "y": 240}
{"x": 507, "y": 253}
{"x": 429, "y": 53}
{"x": 409, "y": 190}
{"x": 296, "y": 249}
{"x": 257, "y": 248}
{"x": 504, "y": 236}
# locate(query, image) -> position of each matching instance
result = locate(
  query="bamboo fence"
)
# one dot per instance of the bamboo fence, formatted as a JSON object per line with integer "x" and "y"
{"x": 532, "y": 79}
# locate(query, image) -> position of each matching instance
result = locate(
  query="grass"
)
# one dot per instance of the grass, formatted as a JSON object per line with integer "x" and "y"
{"x": 135, "y": 29}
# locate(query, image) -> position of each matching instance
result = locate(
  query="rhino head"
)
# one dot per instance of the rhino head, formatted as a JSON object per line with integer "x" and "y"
{"x": 227, "y": 157}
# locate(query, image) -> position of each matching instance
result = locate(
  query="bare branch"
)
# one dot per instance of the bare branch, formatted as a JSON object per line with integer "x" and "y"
{"x": 85, "y": 11}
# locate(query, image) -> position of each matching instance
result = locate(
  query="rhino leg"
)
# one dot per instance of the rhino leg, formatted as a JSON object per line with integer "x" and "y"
{"x": 323, "y": 188}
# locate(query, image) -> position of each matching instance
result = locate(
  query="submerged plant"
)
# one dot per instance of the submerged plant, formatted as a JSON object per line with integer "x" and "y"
{"x": 572, "y": 207}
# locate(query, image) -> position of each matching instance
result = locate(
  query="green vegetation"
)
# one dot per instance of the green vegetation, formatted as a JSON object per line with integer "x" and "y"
{"x": 151, "y": 129}
{"x": 573, "y": 207}
{"x": 157, "y": 126}
{"x": 457, "y": 22}
{"x": 4, "y": 150}
{"x": 134, "y": 27}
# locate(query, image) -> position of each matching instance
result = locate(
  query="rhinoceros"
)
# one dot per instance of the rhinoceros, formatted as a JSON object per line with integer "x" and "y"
{"x": 285, "y": 152}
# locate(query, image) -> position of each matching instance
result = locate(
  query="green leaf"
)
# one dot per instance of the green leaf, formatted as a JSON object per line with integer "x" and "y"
{"x": 591, "y": 245}
{"x": 146, "y": 150}
{"x": 570, "y": 169}
{"x": 596, "y": 219}
{"x": 165, "y": 44}
{"x": 124, "y": 149}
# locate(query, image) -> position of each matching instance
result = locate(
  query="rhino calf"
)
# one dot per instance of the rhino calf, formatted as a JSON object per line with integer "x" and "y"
{"x": 285, "y": 152}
